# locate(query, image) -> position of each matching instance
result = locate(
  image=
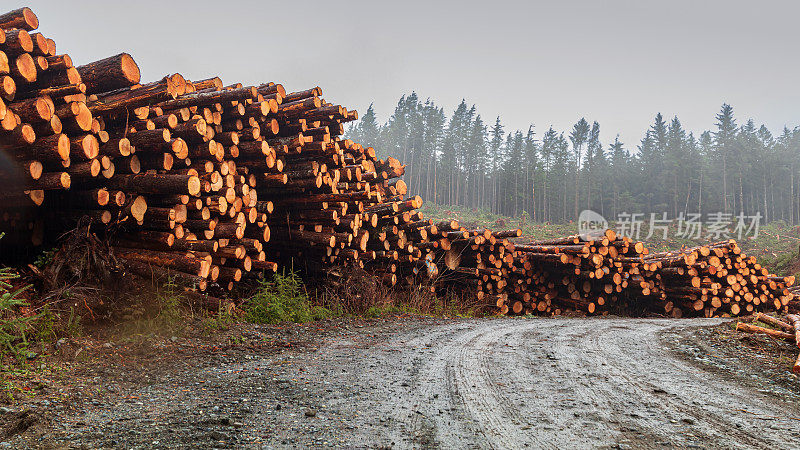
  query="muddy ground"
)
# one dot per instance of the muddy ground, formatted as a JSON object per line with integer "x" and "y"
{"x": 420, "y": 383}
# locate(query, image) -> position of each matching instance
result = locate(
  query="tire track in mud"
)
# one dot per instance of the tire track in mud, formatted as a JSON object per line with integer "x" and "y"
{"x": 558, "y": 383}
{"x": 491, "y": 383}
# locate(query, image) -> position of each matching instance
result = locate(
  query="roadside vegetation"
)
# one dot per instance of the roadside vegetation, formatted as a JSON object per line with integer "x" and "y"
{"x": 283, "y": 299}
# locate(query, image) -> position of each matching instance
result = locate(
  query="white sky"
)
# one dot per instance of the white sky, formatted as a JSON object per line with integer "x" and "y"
{"x": 617, "y": 62}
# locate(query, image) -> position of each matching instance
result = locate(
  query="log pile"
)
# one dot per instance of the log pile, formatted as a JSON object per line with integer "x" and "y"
{"x": 213, "y": 183}
{"x": 610, "y": 274}
{"x": 718, "y": 279}
{"x": 580, "y": 273}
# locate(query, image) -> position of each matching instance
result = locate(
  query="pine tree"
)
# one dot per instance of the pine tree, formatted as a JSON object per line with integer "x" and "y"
{"x": 706, "y": 150}
{"x": 593, "y": 145}
{"x": 692, "y": 168}
{"x": 530, "y": 162}
{"x": 578, "y": 136}
{"x": 451, "y": 152}
{"x": 724, "y": 139}
{"x": 645, "y": 170}
{"x": 766, "y": 144}
{"x": 675, "y": 158}
{"x": 478, "y": 161}
{"x": 495, "y": 147}
{"x": 562, "y": 163}
{"x": 548, "y": 150}
{"x": 369, "y": 129}
{"x": 620, "y": 167}
{"x": 433, "y": 138}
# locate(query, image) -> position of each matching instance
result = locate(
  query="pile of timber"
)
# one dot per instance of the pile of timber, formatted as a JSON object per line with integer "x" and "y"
{"x": 607, "y": 273}
{"x": 718, "y": 279}
{"x": 212, "y": 184}
{"x": 208, "y": 182}
{"x": 579, "y": 273}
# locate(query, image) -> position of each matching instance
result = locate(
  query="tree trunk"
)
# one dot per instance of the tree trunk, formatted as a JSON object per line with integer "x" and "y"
{"x": 111, "y": 73}
{"x": 724, "y": 183}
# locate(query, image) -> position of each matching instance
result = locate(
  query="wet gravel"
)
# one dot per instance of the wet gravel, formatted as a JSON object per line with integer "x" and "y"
{"x": 419, "y": 383}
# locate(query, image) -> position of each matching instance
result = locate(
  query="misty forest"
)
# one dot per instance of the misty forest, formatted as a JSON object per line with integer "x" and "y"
{"x": 736, "y": 166}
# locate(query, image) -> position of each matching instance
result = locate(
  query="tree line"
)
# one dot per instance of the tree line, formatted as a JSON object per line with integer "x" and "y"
{"x": 461, "y": 160}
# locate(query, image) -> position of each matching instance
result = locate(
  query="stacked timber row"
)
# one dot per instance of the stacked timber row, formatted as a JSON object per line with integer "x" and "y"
{"x": 573, "y": 273}
{"x": 213, "y": 183}
{"x": 611, "y": 274}
{"x": 206, "y": 181}
{"x": 718, "y": 279}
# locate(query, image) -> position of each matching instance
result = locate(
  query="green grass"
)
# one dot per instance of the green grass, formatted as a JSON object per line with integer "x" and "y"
{"x": 386, "y": 310}
{"x": 154, "y": 314}
{"x": 220, "y": 320}
{"x": 775, "y": 247}
{"x": 284, "y": 299}
{"x": 16, "y": 329}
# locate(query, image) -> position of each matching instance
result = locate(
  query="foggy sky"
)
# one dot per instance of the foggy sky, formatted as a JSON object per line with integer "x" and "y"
{"x": 545, "y": 63}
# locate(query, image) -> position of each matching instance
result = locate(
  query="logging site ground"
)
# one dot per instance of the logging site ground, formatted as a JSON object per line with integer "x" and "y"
{"x": 403, "y": 381}
{"x": 391, "y": 377}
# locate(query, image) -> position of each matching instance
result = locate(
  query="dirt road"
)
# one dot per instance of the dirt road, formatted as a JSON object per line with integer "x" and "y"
{"x": 504, "y": 383}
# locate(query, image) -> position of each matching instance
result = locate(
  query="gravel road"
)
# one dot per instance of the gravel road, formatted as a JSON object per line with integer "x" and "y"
{"x": 500, "y": 383}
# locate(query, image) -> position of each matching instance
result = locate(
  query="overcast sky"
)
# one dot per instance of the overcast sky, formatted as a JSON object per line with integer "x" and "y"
{"x": 546, "y": 63}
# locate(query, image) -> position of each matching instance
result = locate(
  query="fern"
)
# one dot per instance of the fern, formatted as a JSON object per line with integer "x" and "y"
{"x": 14, "y": 328}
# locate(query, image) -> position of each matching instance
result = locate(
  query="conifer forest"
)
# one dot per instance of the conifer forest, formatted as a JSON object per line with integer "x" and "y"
{"x": 736, "y": 166}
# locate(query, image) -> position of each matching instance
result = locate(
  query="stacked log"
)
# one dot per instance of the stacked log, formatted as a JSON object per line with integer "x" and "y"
{"x": 719, "y": 280}
{"x": 213, "y": 184}
{"x": 207, "y": 181}
{"x": 580, "y": 273}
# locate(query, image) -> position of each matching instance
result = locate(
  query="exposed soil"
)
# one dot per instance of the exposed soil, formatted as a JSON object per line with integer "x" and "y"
{"x": 418, "y": 382}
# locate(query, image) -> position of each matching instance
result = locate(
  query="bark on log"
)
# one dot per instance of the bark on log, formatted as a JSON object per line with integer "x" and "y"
{"x": 748, "y": 328}
{"x": 111, "y": 73}
{"x": 22, "y": 18}
{"x": 152, "y": 183}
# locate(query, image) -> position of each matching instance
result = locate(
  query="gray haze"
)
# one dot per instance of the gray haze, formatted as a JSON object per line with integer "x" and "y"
{"x": 617, "y": 62}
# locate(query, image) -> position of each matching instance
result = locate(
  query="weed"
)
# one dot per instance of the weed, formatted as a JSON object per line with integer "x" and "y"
{"x": 45, "y": 258}
{"x": 386, "y": 310}
{"x": 73, "y": 327}
{"x": 352, "y": 290}
{"x": 156, "y": 313}
{"x": 421, "y": 299}
{"x": 44, "y": 327}
{"x": 220, "y": 320}
{"x": 9, "y": 389}
{"x": 15, "y": 328}
{"x": 283, "y": 299}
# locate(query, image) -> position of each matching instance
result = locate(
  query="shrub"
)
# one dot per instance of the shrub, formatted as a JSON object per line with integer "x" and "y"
{"x": 283, "y": 299}
{"x": 156, "y": 313}
{"x": 219, "y": 320}
{"x": 14, "y": 327}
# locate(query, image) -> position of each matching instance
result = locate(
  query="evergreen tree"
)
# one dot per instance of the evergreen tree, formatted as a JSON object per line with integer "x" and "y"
{"x": 593, "y": 146}
{"x": 724, "y": 139}
{"x": 457, "y": 160}
{"x": 530, "y": 163}
{"x": 549, "y": 143}
{"x": 369, "y": 128}
{"x": 620, "y": 167}
{"x": 675, "y": 158}
{"x": 496, "y": 148}
{"x": 578, "y": 136}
